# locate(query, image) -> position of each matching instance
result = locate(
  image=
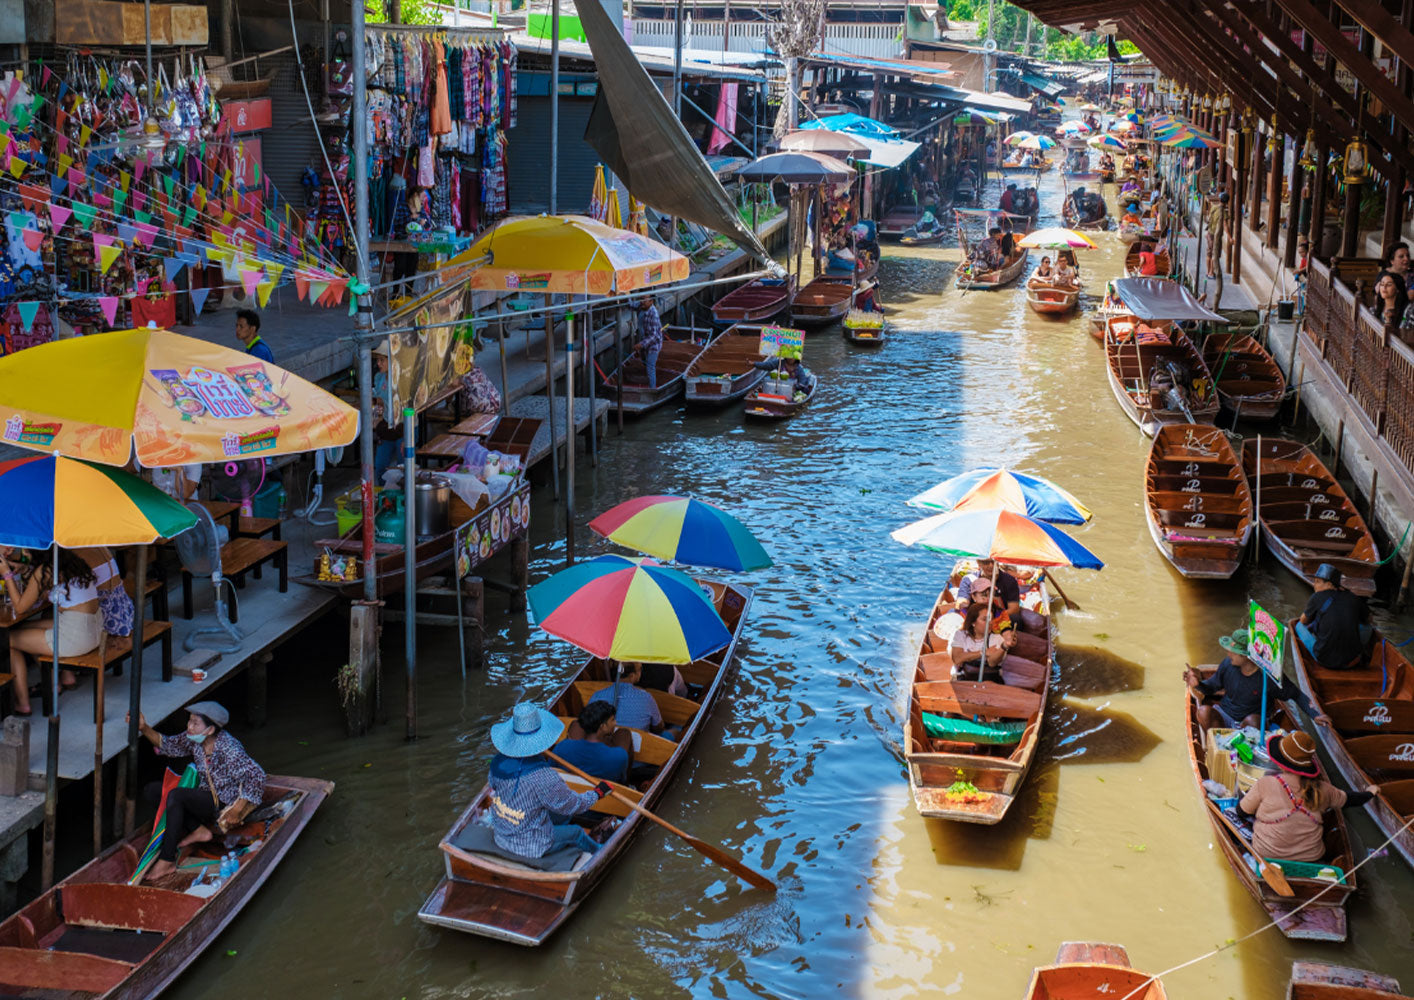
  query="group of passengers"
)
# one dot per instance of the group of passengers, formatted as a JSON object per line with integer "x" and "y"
{"x": 1061, "y": 275}
{"x": 993, "y": 617}
{"x": 993, "y": 253}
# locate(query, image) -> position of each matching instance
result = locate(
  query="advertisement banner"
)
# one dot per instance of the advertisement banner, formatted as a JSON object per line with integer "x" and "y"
{"x": 782, "y": 342}
{"x": 494, "y": 528}
{"x": 1266, "y": 638}
{"x": 424, "y": 363}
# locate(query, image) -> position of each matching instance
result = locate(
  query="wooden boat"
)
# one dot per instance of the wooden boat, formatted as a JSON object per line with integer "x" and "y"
{"x": 93, "y": 935}
{"x": 1072, "y": 219}
{"x": 1200, "y": 509}
{"x": 1320, "y": 981}
{"x": 913, "y": 238}
{"x": 681, "y": 347}
{"x": 725, "y": 371}
{"x": 898, "y": 219}
{"x": 1323, "y": 918}
{"x": 1134, "y": 264}
{"x": 485, "y": 894}
{"x": 991, "y": 280}
{"x": 1087, "y": 970}
{"x": 974, "y": 774}
{"x": 1248, "y": 380}
{"x": 1136, "y": 352}
{"x": 868, "y": 329}
{"x": 1371, "y": 736}
{"x": 770, "y": 407}
{"x": 754, "y": 302}
{"x": 1306, "y": 517}
{"x": 823, "y": 301}
{"x": 1040, "y": 167}
{"x": 1050, "y": 300}
{"x": 1131, "y": 233}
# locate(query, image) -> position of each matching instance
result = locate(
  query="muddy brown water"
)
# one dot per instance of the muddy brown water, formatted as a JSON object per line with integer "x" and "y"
{"x": 799, "y": 770}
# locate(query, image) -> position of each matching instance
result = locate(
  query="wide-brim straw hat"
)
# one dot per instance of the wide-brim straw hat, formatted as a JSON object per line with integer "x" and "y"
{"x": 1294, "y": 753}
{"x": 530, "y": 730}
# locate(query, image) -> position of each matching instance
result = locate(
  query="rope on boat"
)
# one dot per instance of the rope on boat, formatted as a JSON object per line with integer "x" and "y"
{"x": 1138, "y": 990}
{"x": 1394, "y": 551}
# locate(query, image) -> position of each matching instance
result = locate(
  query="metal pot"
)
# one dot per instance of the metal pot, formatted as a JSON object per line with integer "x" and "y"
{"x": 433, "y": 496}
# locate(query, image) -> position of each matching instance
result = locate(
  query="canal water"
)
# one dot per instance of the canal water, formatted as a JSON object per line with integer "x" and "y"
{"x": 800, "y": 770}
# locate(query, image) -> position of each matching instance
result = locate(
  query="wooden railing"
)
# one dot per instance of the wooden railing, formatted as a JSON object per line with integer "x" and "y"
{"x": 1375, "y": 367}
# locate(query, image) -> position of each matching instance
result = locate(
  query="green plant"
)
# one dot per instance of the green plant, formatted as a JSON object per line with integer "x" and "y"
{"x": 346, "y": 679}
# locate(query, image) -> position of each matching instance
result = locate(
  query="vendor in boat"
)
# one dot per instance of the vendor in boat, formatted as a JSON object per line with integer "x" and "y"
{"x": 633, "y": 705}
{"x": 1008, "y": 202}
{"x": 229, "y": 783}
{"x": 1287, "y": 804}
{"x": 1131, "y": 216}
{"x": 1335, "y": 626}
{"x": 989, "y": 252}
{"x": 803, "y": 378}
{"x": 1232, "y": 697}
{"x": 527, "y": 793}
{"x": 1007, "y": 241}
{"x": 650, "y": 337}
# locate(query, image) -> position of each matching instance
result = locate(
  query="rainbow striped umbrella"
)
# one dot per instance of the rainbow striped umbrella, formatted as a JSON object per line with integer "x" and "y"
{"x": 1190, "y": 140}
{"x": 1108, "y": 141}
{"x": 49, "y": 500}
{"x": 629, "y": 609}
{"x": 1002, "y": 489}
{"x": 683, "y": 530}
{"x": 1000, "y": 535}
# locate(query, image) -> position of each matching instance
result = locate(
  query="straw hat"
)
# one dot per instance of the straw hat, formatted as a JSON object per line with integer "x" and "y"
{"x": 530, "y": 730}
{"x": 1294, "y": 753}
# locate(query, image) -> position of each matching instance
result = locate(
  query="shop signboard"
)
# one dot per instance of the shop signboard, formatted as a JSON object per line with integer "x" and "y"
{"x": 1266, "y": 637}
{"x": 427, "y": 359}
{"x": 782, "y": 342}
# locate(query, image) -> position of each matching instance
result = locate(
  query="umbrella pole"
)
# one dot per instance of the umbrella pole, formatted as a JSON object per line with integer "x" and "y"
{"x": 570, "y": 428}
{"x": 135, "y": 693}
{"x": 51, "y": 754}
{"x": 589, "y": 386}
{"x": 410, "y": 563}
{"x": 505, "y": 376}
{"x": 619, "y": 368}
{"x": 987, "y": 628}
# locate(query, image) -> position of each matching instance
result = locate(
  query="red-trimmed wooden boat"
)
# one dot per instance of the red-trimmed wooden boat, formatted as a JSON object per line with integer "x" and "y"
{"x": 1051, "y": 300}
{"x": 1323, "y": 918}
{"x": 1248, "y": 379}
{"x": 859, "y": 328}
{"x": 1371, "y": 736}
{"x": 823, "y": 301}
{"x": 1200, "y": 509}
{"x": 1134, "y": 263}
{"x": 94, "y": 936}
{"x": 1086, "y": 970}
{"x": 987, "y": 281}
{"x": 681, "y": 347}
{"x": 1306, "y": 517}
{"x": 490, "y": 896}
{"x": 726, "y": 371}
{"x": 989, "y": 732}
{"x": 760, "y": 406}
{"x": 1320, "y": 981}
{"x": 1182, "y": 393}
{"x": 754, "y": 302}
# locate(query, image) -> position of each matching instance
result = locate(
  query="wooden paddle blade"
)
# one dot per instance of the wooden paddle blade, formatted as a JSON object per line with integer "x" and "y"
{"x": 1069, "y": 604}
{"x": 748, "y": 875}
{"x": 1276, "y": 878}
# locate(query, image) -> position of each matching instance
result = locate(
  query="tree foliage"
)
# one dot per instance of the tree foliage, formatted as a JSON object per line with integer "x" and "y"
{"x": 413, "y": 11}
{"x": 1046, "y": 43}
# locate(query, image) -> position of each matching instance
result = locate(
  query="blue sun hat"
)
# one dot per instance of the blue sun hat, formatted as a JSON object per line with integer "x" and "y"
{"x": 1134, "y": 206}
{"x": 530, "y": 730}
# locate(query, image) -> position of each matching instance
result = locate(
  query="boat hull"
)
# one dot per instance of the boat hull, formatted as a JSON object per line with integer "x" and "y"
{"x": 1127, "y": 362}
{"x": 1048, "y": 300}
{"x": 759, "y": 407}
{"x": 1086, "y": 969}
{"x": 1248, "y": 380}
{"x": 992, "y": 280}
{"x": 754, "y": 302}
{"x": 1198, "y": 505}
{"x": 822, "y": 302}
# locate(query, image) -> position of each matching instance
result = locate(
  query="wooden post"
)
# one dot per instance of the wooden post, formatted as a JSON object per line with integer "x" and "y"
{"x": 358, "y": 679}
{"x": 474, "y": 608}
{"x": 1350, "y": 221}
{"x": 619, "y": 368}
{"x": 1293, "y": 211}
{"x": 1318, "y": 200}
{"x": 1237, "y": 203}
{"x": 520, "y": 571}
{"x": 1254, "y": 212}
{"x": 1339, "y": 442}
{"x": 1274, "y": 191}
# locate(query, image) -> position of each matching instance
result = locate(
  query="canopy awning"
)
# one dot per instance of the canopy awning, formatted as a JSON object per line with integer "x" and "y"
{"x": 1162, "y": 298}
{"x": 1046, "y": 86}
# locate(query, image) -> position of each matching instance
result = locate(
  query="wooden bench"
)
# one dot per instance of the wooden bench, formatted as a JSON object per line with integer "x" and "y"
{"x": 113, "y": 650}
{"x": 240, "y": 556}
{"x": 652, "y": 749}
{"x": 156, "y": 592}
{"x": 676, "y": 712}
{"x": 258, "y": 527}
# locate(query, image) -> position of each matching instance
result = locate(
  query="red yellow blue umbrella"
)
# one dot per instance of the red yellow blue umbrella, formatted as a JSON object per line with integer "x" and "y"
{"x": 629, "y": 609}
{"x": 683, "y": 530}
{"x": 1000, "y": 535}
{"x": 1002, "y": 489}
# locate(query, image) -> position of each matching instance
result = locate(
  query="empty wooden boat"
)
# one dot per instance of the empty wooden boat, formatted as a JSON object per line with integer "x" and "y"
{"x": 1320, "y": 981}
{"x": 726, "y": 370}
{"x": 1157, "y": 375}
{"x": 488, "y": 894}
{"x": 1305, "y": 516}
{"x": 1051, "y": 300}
{"x": 93, "y": 935}
{"x": 969, "y": 745}
{"x": 1316, "y": 910}
{"x": 1248, "y": 380}
{"x": 1086, "y": 970}
{"x": 825, "y": 300}
{"x": 681, "y": 347}
{"x": 1199, "y": 506}
{"x": 763, "y": 405}
{"x": 898, "y": 219}
{"x": 1371, "y": 736}
{"x": 754, "y": 302}
{"x": 967, "y": 277}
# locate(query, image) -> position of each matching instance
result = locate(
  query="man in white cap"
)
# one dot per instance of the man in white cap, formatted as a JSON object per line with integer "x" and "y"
{"x": 230, "y": 783}
{"x": 527, "y": 793}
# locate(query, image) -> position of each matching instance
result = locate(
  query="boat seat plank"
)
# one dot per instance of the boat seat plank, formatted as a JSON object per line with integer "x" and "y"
{"x": 652, "y": 749}
{"x": 1362, "y": 715}
{"x": 125, "y": 946}
{"x": 972, "y": 697}
{"x": 127, "y": 907}
{"x": 66, "y": 972}
{"x": 936, "y": 666}
{"x": 676, "y": 711}
{"x": 608, "y": 805}
{"x": 1216, "y": 485}
{"x": 1386, "y": 753}
{"x": 1210, "y": 503}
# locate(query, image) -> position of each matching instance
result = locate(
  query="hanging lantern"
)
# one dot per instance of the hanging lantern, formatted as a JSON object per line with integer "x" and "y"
{"x": 1309, "y": 151}
{"x": 1227, "y": 103}
{"x": 1356, "y": 163}
{"x": 1207, "y": 101}
{"x": 1247, "y": 122}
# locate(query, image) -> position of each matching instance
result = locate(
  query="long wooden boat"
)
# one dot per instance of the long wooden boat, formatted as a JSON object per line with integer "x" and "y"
{"x": 1320, "y": 981}
{"x": 1200, "y": 508}
{"x": 1072, "y": 219}
{"x": 969, "y": 778}
{"x": 1040, "y": 167}
{"x": 1323, "y": 915}
{"x": 725, "y": 372}
{"x": 1135, "y": 352}
{"x": 1134, "y": 263}
{"x": 1248, "y": 379}
{"x": 485, "y": 894}
{"x": 681, "y": 347}
{"x": 913, "y": 238}
{"x": 93, "y": 935}
{"x": 754, "y": 302}
{"x": 823, "y": 301}
{"x": 991, "y": 280}
{"x": 1371, "y": 736}
{"x": 1051, "y": 300}
{"x": 859, "y": 328}
{"x": 1306, "y": 518}
{"x": 763, "y": 407}
{"x": 898, "y": 219}
{"x": 1086, "y": 970}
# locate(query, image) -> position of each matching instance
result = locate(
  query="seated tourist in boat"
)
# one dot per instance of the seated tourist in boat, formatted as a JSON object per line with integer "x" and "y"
{"x": 1007, "y": 616}
{"x": 1007, "y": 592}
{"x": 1335, "y": 624}
{"x": 229, "y": 783}
{"x": 1006, "y": 242}
{"x": 633, "y": 705}
{"x": 989, "y": 252}
{"x": 803, "y": 378}
{"x": 1287, "y": 803}
{"x": 596, "y": 743}
{"x": 1008, "y": 202}
{"x": 1232, "y": 697}
{"x": 527, "y": 793}
{"x": 1044, "y": 269}
{"x": 1004, "y": 662}
{"x": 1065, "y": 274}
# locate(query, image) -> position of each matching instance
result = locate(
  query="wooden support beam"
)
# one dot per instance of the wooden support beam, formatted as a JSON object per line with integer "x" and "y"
{"x": 1297, "y": 180}
{"x": 1318, "y": 198}
{"x": 1378, "y": 21}
{"x": 1274, "y": 192}
{"x": 1258, "y": 166}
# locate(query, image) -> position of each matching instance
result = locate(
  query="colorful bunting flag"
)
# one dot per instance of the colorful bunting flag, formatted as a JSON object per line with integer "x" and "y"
{"x": 106, "y": 257}
{"x": 198, "y": 298}
{"x": 173, "y": 266}
{"x": 109, "y": 305}
{"x": 34, "y": 239}
{"x": 28, "y": 311}
{"x": 58, "y": 215}
{"x": 250, "y": 277}
{"x": 83, "y": 215}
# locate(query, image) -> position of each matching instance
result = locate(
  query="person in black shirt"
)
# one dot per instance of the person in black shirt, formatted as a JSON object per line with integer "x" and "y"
{"x": 1334, "y": 625}
{"x": 1232, "y": 697}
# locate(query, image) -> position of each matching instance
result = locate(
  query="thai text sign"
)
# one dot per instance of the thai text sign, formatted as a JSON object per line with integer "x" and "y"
{"x": 1266, "y": 639}
{"x": 782, "y": 342}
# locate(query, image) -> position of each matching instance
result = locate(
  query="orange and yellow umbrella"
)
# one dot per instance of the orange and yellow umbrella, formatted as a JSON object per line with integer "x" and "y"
{"x": 1000, "y": 535}
{"x": 177, "y": 399}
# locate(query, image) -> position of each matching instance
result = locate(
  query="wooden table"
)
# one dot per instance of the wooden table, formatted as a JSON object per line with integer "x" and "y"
{"x": 449, "y": 445}
{"x": 476, "y": 425}
{"x": 222, "y": 510}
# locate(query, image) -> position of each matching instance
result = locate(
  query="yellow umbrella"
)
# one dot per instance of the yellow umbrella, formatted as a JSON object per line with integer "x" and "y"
{"x": 637, "y": 216}
{"x": 612, "y": 214}
{"x": 569, "y": 254}
{"x": 599, "y": 200}
{"x": 177, "y": 399}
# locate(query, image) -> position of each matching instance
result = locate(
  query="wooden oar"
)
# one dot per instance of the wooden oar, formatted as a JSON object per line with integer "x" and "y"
{"x": 1069, "y": 604}
{"x": 712, "y": 851}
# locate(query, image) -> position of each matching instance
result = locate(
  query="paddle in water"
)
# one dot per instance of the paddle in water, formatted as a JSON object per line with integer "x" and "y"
{"x": 718, "y": 855}
{"x": 1069, "y": 604}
